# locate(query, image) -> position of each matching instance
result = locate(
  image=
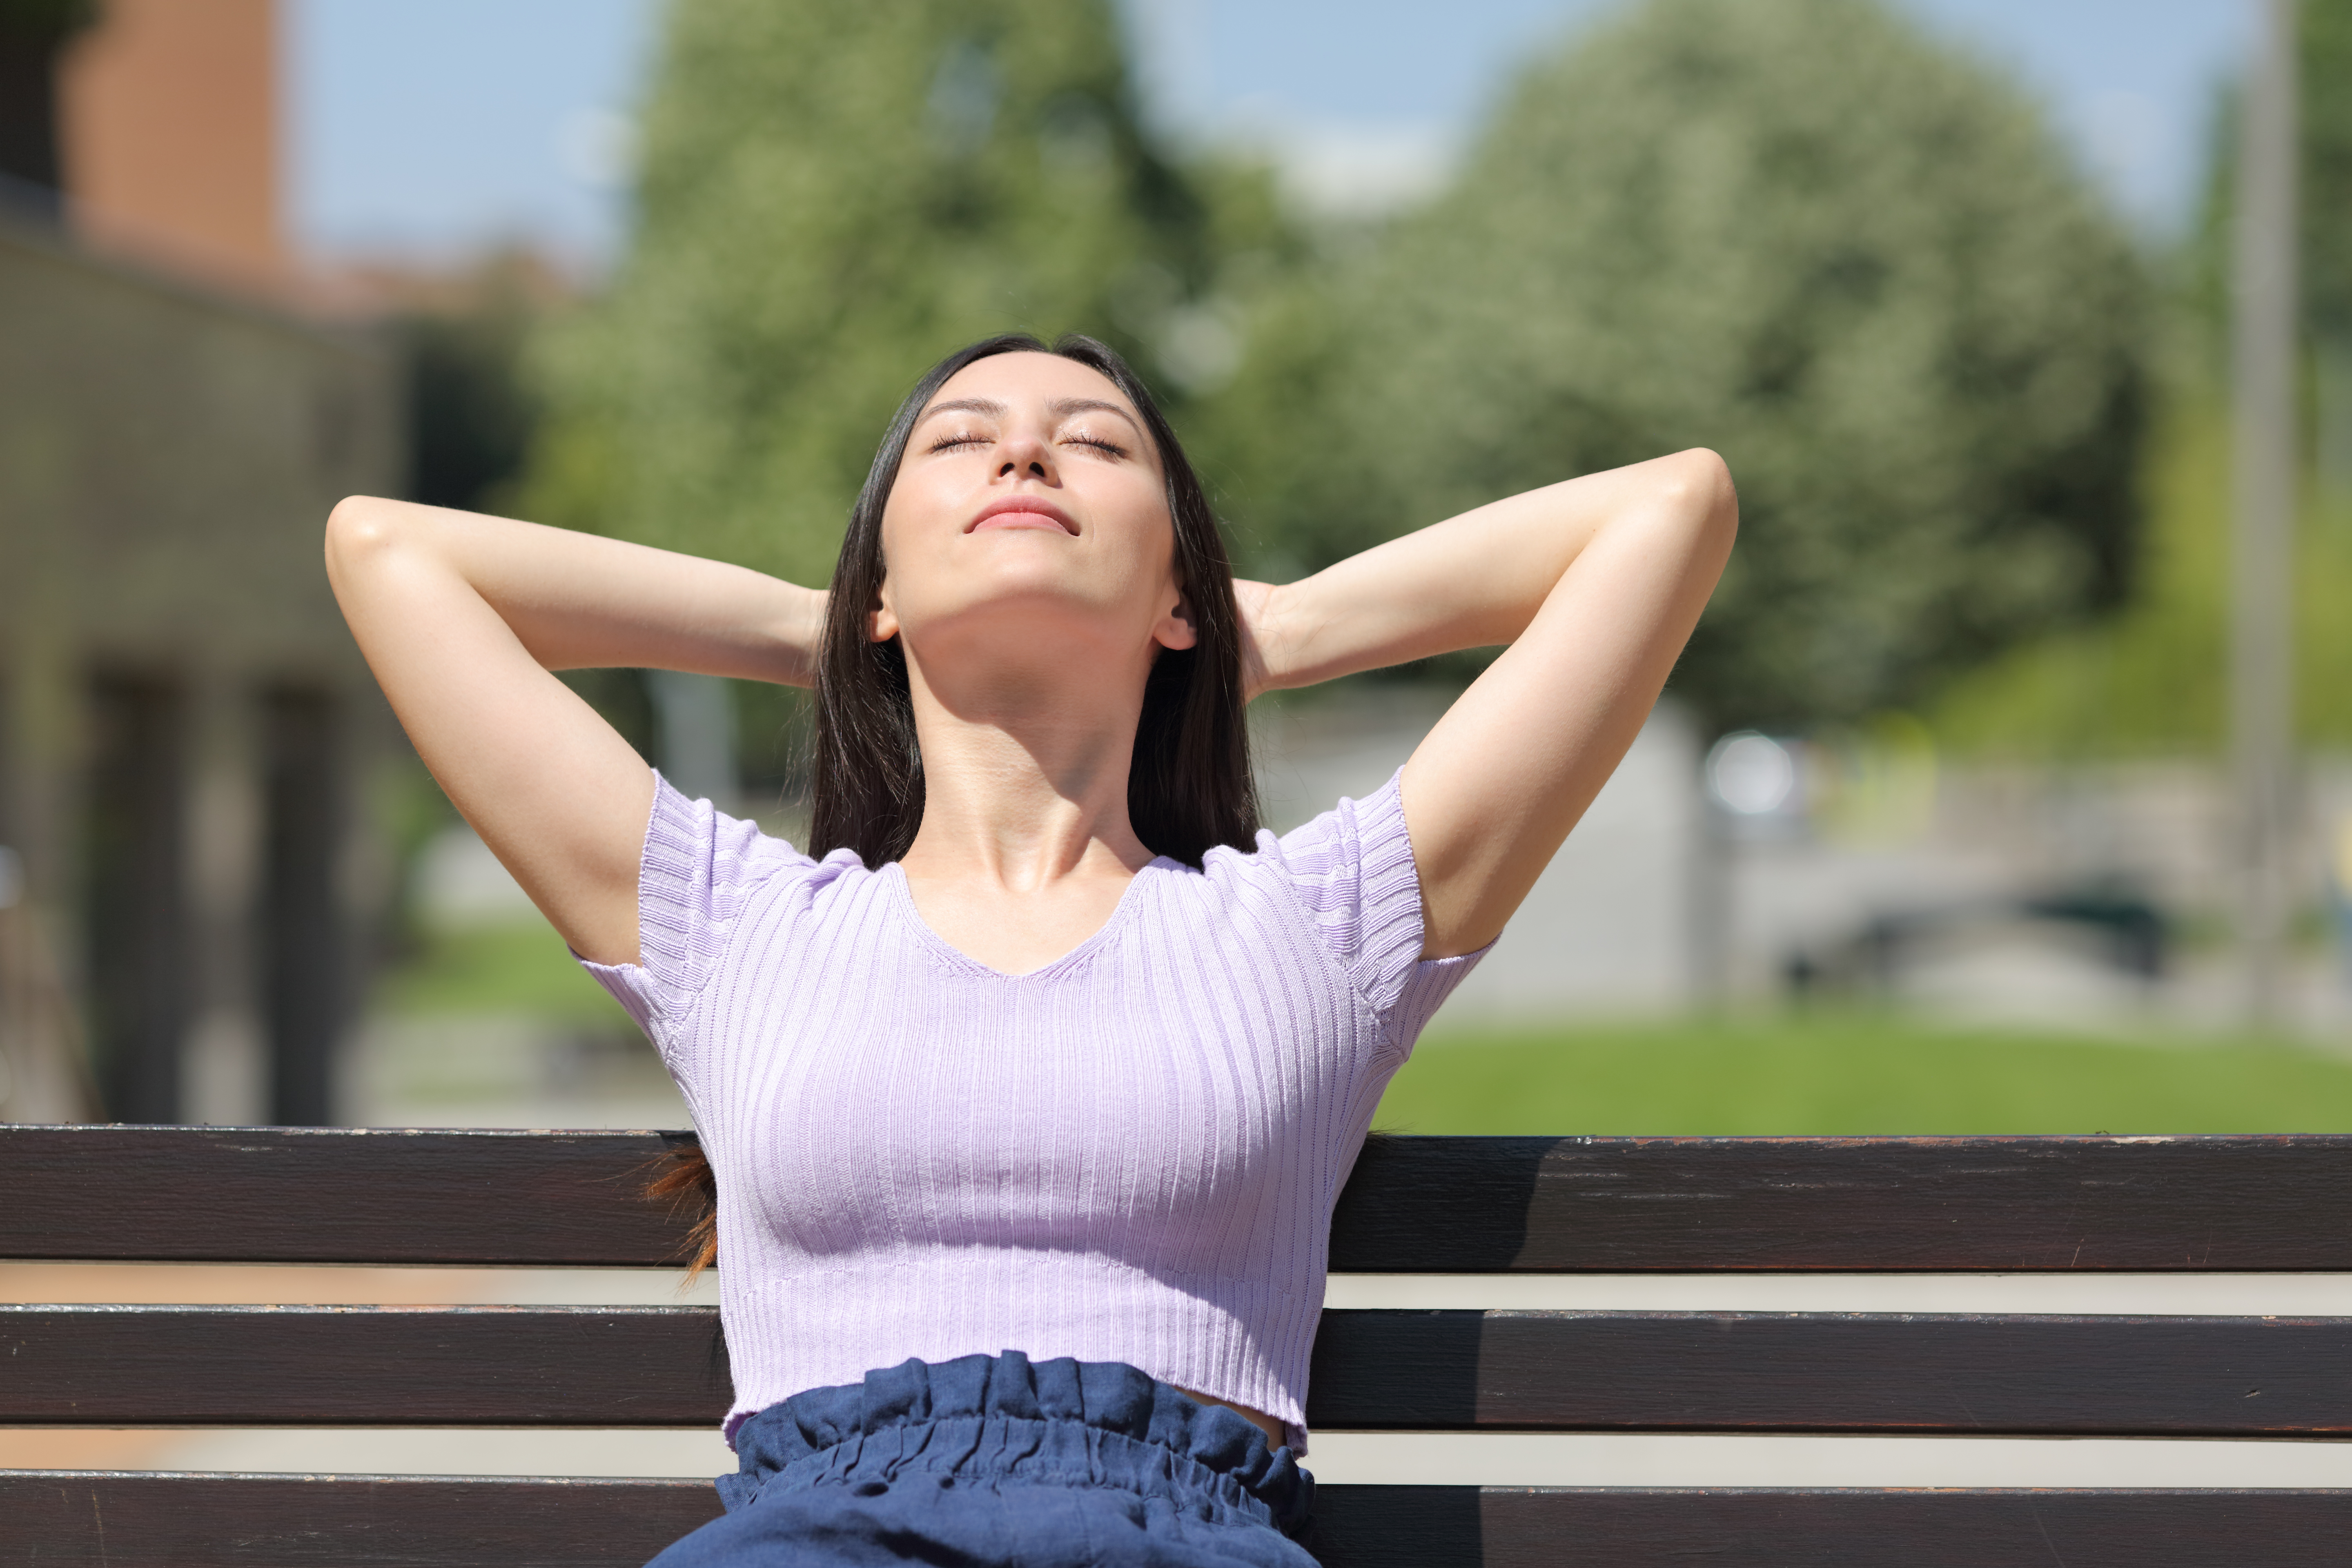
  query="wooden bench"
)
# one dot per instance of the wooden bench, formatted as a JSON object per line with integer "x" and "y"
{"x": 1454, "y": 1205}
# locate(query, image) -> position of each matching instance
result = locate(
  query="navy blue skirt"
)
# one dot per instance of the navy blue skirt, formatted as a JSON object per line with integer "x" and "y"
{"x": 994, "y": 1460}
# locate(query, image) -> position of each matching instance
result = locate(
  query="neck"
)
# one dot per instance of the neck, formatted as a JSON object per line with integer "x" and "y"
{"x": 1024, "y": 775}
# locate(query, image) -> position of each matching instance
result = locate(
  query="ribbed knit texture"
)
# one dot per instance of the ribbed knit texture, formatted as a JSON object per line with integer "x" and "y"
{"x": 1128, "y": 1155}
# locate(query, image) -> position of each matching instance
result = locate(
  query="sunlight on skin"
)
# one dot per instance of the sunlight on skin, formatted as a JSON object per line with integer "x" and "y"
{"x": 1027, "y": 537}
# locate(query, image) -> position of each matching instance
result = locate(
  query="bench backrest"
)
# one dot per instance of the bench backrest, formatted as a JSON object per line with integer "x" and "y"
{"x": 1452, "y": 1205}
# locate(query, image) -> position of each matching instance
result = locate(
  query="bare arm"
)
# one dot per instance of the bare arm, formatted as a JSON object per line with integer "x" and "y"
{"x": 1595, "y": 584}
{"x": 463, "y": 618}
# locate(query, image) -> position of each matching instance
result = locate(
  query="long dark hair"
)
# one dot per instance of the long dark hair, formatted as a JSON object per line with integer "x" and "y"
{"x": 1189, "y": 785}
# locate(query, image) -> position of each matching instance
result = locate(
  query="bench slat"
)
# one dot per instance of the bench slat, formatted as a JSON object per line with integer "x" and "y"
{"x": 1495, "y": 1527}
{"x": 1415, "y": 1204}
{"x": 363, "y": 1366}
{"x": 150, "y": 1519}
{"x": 1474, "y": 1206}
{"x": 144, "y": 1521}
{"x": 1664, "y": 1372}
{"x": 232, "y": 1194}
{"x": 1750, "y": 1371}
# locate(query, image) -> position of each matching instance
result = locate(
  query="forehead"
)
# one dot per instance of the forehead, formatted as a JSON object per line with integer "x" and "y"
{"x": 1028, "y": 379}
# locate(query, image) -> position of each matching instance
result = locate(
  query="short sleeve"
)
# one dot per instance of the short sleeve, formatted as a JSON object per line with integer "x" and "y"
{"x": 698, "y": 869}
{"x": 1353, "y": 870}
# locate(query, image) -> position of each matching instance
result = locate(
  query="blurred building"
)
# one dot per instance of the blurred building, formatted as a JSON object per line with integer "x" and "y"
{"x": 185, "y": 728}
{"x": 1618, "y": 924}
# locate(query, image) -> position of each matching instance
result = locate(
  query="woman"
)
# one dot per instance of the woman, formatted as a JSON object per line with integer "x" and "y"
{"x": 1029, "y": 1088}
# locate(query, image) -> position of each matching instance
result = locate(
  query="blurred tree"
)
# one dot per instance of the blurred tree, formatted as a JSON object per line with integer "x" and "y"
{"x": 2151, "y": 680}
{"x": 831, "y": 195}
{"x": 2326, "y": 45}
{"x": 1800, "y": 232}
{"x": 2325, "y": 42}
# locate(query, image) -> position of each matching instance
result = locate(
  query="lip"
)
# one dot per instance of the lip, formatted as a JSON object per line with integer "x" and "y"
{"x": 1023, "y": 511}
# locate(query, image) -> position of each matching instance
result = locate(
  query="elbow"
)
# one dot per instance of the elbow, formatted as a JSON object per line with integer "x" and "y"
{"x": 1699, "y": 484}
{"x": 360, "y": 528}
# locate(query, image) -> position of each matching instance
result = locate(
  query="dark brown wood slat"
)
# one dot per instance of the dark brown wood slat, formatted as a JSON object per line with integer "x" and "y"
{"x": 129, "y": 1519}
{"x": 278, "y": 1366}
{"x": 135, "y": 1520}
{"x": 1415, "y": 1204}
{"x": 217, "y": 1194}
{"x": 1464, "y": 1527}
{"x": 1871, "y": 1205}
{"x": 361, "y": 1366}
{"x": 1730, "y": 1372}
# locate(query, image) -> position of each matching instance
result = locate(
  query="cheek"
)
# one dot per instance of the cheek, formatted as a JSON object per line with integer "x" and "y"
{"x": 907, "y": 542}
{"x": 1155, "y": 556}
{"x": 1136, "y": 517}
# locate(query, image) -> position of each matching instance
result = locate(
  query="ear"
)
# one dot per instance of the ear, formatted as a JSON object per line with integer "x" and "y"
{"x": 881, "y": 621}
{"x": 1176, "y": 628}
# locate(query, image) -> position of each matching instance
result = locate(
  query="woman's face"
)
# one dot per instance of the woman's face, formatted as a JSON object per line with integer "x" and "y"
{"x": 1030, "y": 517}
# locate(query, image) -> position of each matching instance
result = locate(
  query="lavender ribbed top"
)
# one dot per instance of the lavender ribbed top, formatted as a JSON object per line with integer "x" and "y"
{"x": 1129, "y": 1154}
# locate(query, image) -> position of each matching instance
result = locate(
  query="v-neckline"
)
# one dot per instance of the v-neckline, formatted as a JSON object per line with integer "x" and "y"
{"x": 904, "y": 894}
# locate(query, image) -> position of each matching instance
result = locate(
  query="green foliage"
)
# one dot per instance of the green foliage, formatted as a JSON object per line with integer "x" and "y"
{"x": 833, "y": 194}
{"x": 2150, "y": 680}
{"x": 2326, "y": 49}
{"x": 1851, "y": 1074}
{"x": 519, "y": 969}
{"x": 1799, "y": 232}
{"x": 1794, "y": 230}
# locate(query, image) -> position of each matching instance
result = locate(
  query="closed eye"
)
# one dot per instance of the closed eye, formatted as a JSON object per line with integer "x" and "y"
{"x": 1109, "y": 448}
{"x": 967, "y": 439}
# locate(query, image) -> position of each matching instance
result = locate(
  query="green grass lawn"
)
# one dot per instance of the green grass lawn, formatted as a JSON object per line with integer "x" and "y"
{"x": 1833, "y": 1074}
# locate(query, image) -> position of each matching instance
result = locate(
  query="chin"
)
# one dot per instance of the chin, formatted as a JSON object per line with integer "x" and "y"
{"x": 1025, "y": 572}
{"x": 1018, "y": 616}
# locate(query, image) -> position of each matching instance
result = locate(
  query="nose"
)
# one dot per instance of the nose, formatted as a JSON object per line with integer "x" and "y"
{"x": 1025, "y": 455}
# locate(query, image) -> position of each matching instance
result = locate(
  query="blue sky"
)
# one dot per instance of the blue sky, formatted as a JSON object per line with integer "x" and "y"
{"x": 429, "y": 128}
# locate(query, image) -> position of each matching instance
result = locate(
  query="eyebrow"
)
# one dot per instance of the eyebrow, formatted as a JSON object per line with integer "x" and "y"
{"x": 1060, "y": 408}
{"x": 987, "y": 405}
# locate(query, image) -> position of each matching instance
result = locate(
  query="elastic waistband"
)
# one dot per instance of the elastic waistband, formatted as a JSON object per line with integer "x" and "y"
{"x": 1010, "y": 1420}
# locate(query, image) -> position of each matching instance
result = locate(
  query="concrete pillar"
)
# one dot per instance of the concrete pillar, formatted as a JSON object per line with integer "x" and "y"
{"x": 694, "y": 734}
{"x": 136, "y": 929}
{"x": 224, "y": 1069}
{"x": 42, "y": 1052}
{"x": 304, "y": 947}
